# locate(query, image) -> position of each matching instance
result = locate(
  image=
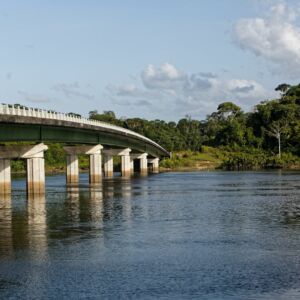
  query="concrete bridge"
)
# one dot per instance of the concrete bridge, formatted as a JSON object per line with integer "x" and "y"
{"x": 79, "y": 136}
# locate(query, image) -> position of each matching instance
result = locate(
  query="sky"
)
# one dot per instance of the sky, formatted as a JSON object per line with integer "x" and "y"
{"x": 150, "y": 59}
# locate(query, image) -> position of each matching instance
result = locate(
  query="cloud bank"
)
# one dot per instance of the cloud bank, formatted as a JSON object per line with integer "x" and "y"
{"x": 167, "y": 90}
{"x": 274, "y": 37}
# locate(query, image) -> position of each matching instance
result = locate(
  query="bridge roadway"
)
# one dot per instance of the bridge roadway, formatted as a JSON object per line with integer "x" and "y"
{"x": 79, "y": 135}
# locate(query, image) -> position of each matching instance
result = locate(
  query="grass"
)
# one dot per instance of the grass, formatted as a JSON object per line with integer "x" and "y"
{"x": 229, "y": 159}
{"x": 208, "y": 158}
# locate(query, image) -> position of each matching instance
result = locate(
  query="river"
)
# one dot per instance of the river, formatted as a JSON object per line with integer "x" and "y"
{"x": 189, "y": 235}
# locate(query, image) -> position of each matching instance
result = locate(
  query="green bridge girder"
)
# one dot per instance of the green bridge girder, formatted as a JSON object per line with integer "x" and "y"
{"x": 29, "y": 129}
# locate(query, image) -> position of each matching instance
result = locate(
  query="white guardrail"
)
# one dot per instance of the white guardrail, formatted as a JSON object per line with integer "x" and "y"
{"x": 6, "y": 109}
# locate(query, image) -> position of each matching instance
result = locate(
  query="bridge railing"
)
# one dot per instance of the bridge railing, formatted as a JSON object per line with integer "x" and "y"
{"x": 23, "y": 111}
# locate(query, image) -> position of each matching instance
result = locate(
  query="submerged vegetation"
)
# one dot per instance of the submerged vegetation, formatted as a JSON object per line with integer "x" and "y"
{"x": 267, "y": 137}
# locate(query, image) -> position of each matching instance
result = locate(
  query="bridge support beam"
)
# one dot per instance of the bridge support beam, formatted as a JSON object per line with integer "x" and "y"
{"x": 34, "y": 154}
{"x": 5, "y": 177}
{"x": 95, "y": 168}
{"x": 155, "y": 164}
{"x": 95, "y": 172}
{"x": 126, "y": 164}
{"x": 131, "y": 165}
{"x": 143, "y": 161}
{"x": 35, "y": 175}
{"x": 108, "y": 165}
{"x": 72, "y": 169}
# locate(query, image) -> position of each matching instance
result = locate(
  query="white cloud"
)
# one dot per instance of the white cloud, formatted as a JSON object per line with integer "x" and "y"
{"x": 166, "y": 89}
{"x": 72, "y": 90}
{"x": 245, "y": 87}
{"x": 274, "y": 37}
{"x": 34, "y": 98}
{"x": 124, "y": 90}
{"x": 164, "y": 77}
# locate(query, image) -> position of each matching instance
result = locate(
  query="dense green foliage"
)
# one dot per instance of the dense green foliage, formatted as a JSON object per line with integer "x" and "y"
{"x": 186, "y": 134}
{"x": 267, "y": 137}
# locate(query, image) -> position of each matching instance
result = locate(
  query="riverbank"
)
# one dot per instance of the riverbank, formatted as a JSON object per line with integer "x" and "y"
{"x": 229, "y": 159}
{"x": 191, "y": 160}
{"x": 208, "y": 158}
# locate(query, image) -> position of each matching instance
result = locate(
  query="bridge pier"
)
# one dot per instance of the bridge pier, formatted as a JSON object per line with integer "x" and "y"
{"x": 125, "y": 161}
{"x": 36, "y": 175}
{"x": 125, "y": 165}
{"x": 155, "y": 164}
{"x": 143, "y": 161}
{"x": 72, "y": 169}
{"x": 95, "y": 172}
{"x": 34, "y": 154}
{"x": 5, "y": 177}
{"x": 131, "y": 165}
{"x": 108, "y": 165}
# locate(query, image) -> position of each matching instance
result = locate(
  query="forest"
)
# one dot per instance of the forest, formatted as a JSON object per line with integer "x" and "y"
{"x": 266, "y": 137}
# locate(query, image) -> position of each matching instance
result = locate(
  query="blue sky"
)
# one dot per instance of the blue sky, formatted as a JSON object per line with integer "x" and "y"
{"x": 151, "y": 59}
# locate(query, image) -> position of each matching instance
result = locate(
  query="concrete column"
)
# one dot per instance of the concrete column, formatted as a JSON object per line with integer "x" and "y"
{"x": 95, "y": 168}
{"x": 5, "y": 177}
{"x": 108, "y": 165}
{"x": 94, "y": 152}
{"x": 34, "y": 154}
{"x": 143, "y": 163}
{"x": 125, "y": 165}
{"x": 35, "y": 175}
{"x": 155, "y": 164}
{"x": 131, "y": 165}
{"x": 72, "y": 169}
{"x": 125, "y": 161}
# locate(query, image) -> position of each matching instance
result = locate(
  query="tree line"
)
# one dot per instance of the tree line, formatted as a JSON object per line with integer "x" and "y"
{"x": 273, "y": 126}
{"x": 268, "y": 136}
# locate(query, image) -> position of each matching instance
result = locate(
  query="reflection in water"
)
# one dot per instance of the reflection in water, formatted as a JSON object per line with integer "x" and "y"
{"x": 37, "y": 241}
{"x": 126, "y": 200}
{"x": 72, "y": 204}
{"x": 210, "y": 235}
{"x": 6, "y": 239}
{"x": 108, "y": 196}
{"x": 37, "y": 225}
{"x": 96, "y": 203}
{"x": 117, "y": 195}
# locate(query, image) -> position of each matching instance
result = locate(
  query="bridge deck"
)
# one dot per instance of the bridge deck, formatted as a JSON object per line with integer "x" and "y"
{"x": 42, "y": 126}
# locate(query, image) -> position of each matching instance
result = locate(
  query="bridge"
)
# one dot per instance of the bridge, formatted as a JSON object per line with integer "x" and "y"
{"x": 79, "y": 136}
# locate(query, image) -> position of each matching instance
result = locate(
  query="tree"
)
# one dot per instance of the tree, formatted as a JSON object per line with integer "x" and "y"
{"x": 71, "y": 114}
{"x": 93, "y": 113}
{"x": 107, "y": 116}
{"x": 276, "y": 129}
{"x": 228, "y": 110}
{"x": 283, "y": 88}
{"x": 109, "y": 113}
